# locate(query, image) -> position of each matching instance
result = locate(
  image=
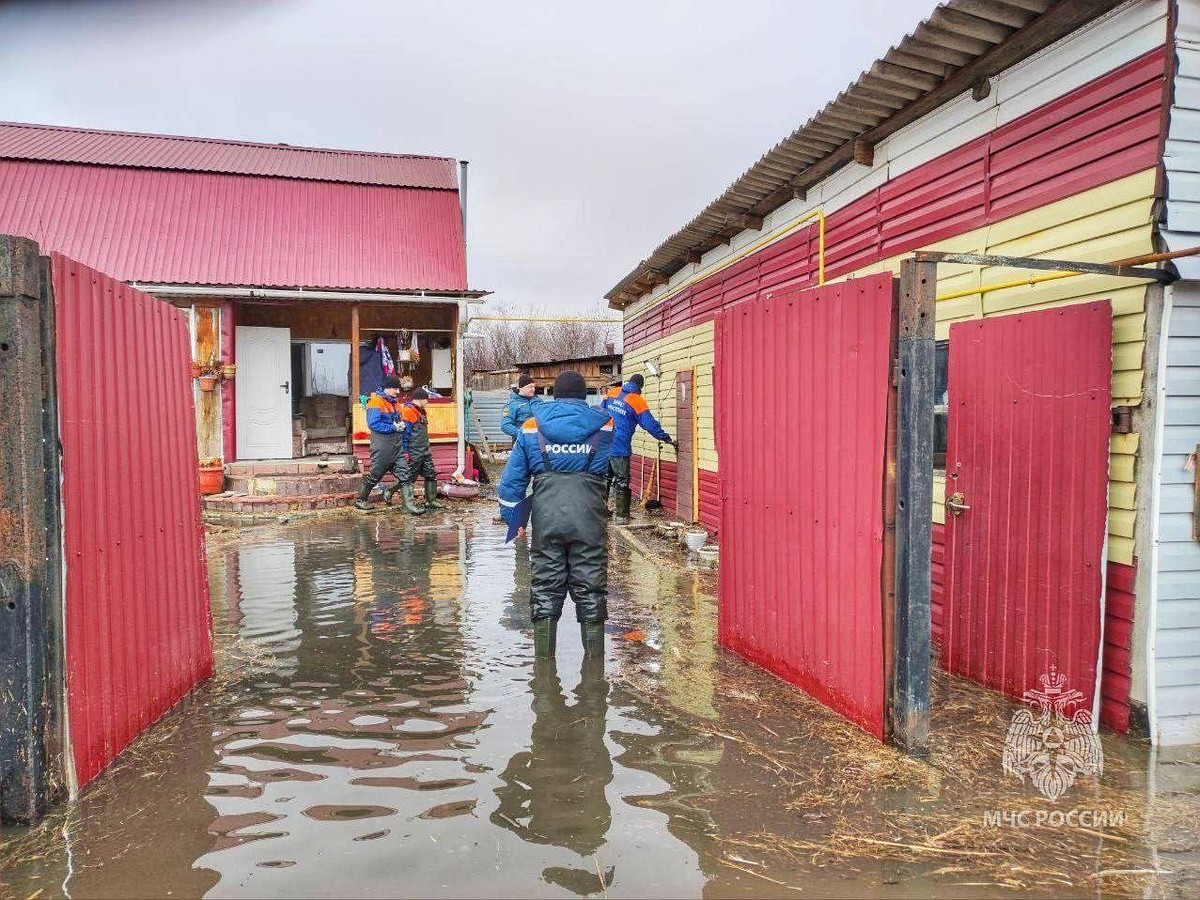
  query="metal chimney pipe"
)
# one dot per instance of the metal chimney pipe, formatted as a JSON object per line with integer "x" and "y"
{"x": 462, "y": 194}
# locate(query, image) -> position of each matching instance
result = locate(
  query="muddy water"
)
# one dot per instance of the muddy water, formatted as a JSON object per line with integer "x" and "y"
{"x": 387, "y": 732}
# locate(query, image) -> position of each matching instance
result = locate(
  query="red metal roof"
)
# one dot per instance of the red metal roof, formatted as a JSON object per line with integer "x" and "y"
{"x": 168, "y": 227}
{"x": 51, "y": 143}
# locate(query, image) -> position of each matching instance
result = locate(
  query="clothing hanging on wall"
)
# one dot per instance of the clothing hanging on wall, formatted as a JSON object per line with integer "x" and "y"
{"x": 370, "y": 369}
{"x": 389, "y": 367}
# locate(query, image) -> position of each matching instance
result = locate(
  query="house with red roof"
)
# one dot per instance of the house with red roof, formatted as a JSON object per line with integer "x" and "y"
{"x": 309, "y": 272}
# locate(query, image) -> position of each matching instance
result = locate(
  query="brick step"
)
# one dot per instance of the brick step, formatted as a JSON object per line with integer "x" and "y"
{"x": 273, "y": 505}
{"x": 292, "y": 485}
{"x": 328, "y": 445}
{"x": 307, "y": 466}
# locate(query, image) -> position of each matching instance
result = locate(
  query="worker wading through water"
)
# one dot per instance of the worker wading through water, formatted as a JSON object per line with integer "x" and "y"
{"x": 520, "y": 407}
{"x": 564, "y": 451}
{"x": 628, "y": 409}
{"x": 400, "y": 445}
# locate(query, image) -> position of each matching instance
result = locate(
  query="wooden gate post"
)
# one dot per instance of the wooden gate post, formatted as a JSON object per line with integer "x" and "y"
{"x": 914, "y": 505}
{"x": 30, "y": 549}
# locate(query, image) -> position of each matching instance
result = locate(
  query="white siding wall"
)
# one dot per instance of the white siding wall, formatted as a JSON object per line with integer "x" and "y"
{"x": 1177, "y": 631}
{"x": 1176, "y": 555}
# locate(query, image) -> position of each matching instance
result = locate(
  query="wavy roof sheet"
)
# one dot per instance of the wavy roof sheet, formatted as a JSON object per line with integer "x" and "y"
{"x": 51, "y": 143}
{"x": 960, "y": 46}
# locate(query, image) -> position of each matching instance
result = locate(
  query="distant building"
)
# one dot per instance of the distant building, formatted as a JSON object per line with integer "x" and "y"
{"x": 597, "y": 371}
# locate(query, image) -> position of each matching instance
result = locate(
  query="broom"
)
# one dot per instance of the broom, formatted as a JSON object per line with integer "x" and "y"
{"x": 654, "y": 504}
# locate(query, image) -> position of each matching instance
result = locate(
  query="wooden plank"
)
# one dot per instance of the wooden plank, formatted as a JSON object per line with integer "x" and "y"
{"x": 209, "y": 437}
{"x": 355, "y": 356}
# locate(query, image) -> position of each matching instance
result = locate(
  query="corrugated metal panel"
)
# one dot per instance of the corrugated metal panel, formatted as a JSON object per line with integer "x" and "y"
{"x": 802, "y": 544}
{"x": 50, "y": 143}
{"x": 176, "y": 228}
{"x": 139, "y": 632}
{"x": 906, "y": 84}
{"x": 1177, "y": 638}
{"x": 710, "y": 489}
{"x": 1117, "y": 658}
{"x": 488, "y": 406}
{"x": 1028, "y": 447}
{"x": 1114, "y": 123}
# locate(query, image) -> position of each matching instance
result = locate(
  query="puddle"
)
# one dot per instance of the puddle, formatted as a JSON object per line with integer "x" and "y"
{"x": 383, "y": 730}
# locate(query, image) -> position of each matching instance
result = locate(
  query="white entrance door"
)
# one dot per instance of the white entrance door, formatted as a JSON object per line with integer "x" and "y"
{"x": 264, "y": 393}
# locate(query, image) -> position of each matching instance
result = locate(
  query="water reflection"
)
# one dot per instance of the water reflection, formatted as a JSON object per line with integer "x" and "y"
{"x": 391, "y": 735}
{"x": 554, "y": 792}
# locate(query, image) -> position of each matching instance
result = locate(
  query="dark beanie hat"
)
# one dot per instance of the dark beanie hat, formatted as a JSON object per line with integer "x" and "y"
{"x": 391, "y": 381}
{"x": 570, "y": 386}
{"x": 524, "y": 380}
{"x": 638, "y": 380}
{"x": 420, "y": 394}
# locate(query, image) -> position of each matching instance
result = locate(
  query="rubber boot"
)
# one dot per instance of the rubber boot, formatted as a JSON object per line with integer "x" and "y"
{"x": 410, "y": 506}
{"x": 545, "y": 636}
{"x": 361, "y": 502}
{"x": 431, "y": 495}
{"x": 593, "y": 639}
{"x": 623, "y": 500}
{"x": 389, "y": 492}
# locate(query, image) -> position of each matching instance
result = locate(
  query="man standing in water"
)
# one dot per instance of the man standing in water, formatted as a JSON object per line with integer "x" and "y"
{"x": 383, "y": 418}
{"x": 416, "y": 459}
{"x": 629, "y": 409}
{"x": 564, "y": 450}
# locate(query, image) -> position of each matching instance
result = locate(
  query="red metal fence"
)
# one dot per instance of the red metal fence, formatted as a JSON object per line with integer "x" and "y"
{"x": 138, "y": 627}
{"x": 803, "y": 382}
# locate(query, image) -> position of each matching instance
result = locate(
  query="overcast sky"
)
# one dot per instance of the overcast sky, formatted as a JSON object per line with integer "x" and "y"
{"x": 594, "y": 130}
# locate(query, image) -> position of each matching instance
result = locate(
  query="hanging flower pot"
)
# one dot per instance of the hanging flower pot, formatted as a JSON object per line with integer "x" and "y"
{"x": 208, "y": 382}
{"x": 197, "y": 369}
{"x": 228, "y": 370}
{"x": 212, "y": 479}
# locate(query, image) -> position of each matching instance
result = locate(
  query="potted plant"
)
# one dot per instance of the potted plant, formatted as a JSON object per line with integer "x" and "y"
{"x": 228, "y": 370}
{"x": 208, "y": 373}
{"x": 212, "y": 476}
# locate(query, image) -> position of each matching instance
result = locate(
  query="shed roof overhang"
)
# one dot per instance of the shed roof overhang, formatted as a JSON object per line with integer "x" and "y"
{"x": 226, "y": 292}
{"x": 958, "y": 48}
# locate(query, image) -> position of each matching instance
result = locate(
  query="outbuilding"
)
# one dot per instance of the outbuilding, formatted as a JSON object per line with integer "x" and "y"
{"x": 1054, "y": 129}
{"x": 309, "y": 273}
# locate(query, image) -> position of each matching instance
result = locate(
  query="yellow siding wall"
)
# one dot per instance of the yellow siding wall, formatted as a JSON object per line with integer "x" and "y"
{"x": 691, "y": 348}
{"x": 1104, "y": 224}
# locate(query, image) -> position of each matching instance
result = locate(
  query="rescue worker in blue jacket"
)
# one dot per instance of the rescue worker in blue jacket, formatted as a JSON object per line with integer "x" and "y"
{"x": 520, "y": 407}
{"x": 385, "y": 420}
{"x": 564, "y": 450}
{"x": 628, "y": 410}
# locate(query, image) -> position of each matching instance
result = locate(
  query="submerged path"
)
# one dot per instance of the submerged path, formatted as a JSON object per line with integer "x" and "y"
{"x": 379, "y": 728}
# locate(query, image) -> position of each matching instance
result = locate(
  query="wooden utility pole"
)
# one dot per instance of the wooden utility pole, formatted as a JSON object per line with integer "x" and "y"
{"x": 914, "y": 505}
{"x": 30, "y": 573}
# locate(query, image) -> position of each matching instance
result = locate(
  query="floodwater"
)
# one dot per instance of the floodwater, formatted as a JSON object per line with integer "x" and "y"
{"x": 380, "y": 728}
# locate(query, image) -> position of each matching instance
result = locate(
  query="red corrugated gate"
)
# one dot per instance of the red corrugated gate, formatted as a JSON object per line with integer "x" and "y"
{"x": 803, "y": 384}
{"x": 1028, "y": 456}
{"x": 139, "y": 632}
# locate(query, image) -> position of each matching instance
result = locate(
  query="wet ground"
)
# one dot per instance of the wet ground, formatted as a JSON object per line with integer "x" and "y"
{"x": 380, "y": 728}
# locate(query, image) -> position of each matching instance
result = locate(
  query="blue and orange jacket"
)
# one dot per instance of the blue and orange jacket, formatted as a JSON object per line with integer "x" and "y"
{"x": 383, "y": 414}
{"x": 568, "y": 427}
{"x": 629, "y": 409}
{"x": 411, "y": 416}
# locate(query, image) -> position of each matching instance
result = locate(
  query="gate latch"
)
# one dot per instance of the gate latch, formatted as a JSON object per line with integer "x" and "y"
{"x": 956, "y": 503}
